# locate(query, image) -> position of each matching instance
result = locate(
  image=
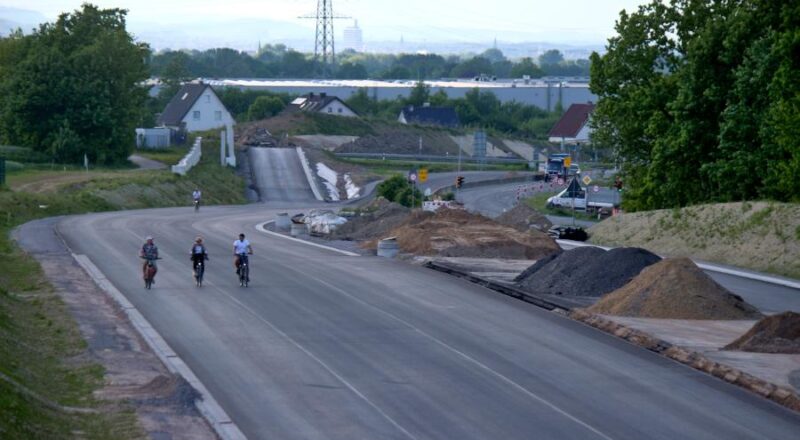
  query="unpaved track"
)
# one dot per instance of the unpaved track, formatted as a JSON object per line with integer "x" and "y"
{"x": 326, "y": 346}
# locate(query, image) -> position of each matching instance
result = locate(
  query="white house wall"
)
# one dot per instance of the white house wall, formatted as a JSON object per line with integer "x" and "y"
{"x": 583, "y": 135}
{"x": 207, "y": 104}
{"x": 338, "y": 109}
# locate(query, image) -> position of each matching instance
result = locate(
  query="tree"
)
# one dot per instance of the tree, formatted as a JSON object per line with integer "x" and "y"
{"x": 419, "y": 95}
{"x": 493, "y": 55}
{"x": 472, "y": 68}
{"x": 351, "y": 71}
{"x": 552, "y": 56}
{"x": 73, "y": 87}
{"x": 265, "y": 107}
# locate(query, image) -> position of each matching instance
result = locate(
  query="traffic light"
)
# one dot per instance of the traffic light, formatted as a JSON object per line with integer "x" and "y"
{"x": 459, "y": 181}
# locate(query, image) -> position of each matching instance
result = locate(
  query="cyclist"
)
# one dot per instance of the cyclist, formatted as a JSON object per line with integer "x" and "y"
{"x": 241, "y": 248}
{"x": 149, "y": 252}
{"x": 196, "y": 194}
{"x": 198, "y": 253}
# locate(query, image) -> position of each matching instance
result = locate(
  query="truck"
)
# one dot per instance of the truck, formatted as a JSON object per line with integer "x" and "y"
{"x": 575, "y": 194}
{"x": 555, "y": 166}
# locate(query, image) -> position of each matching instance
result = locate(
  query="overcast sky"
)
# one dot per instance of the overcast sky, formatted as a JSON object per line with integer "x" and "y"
{"x": 584, "y": 21}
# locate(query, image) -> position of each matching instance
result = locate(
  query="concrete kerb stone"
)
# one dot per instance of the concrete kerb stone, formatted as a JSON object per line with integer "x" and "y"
{"x": 778, "y": 394}
{"x": 216, "y": 416}
{"x": 309, "y": 175}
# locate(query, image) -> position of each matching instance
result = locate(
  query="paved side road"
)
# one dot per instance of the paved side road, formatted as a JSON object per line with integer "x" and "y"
{"x": 327, "y": 346}
{"x": 279, "y": 176}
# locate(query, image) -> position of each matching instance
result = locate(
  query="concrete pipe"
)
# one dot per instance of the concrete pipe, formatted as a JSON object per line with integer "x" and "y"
{"x": 297, "y": 229}
{"x": 282, "y": 221}
{"x": 388, "y": 248}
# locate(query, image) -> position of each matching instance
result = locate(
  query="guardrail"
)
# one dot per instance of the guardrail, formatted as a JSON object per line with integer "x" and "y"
{"x": 467, "y": 185}
{"x": 432, "y": 158}
{"x": 191, "y": 159}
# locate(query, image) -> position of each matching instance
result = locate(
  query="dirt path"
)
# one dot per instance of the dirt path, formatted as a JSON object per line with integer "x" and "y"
{"x": 146, "y": 164}
{"x": 164, "y": 402}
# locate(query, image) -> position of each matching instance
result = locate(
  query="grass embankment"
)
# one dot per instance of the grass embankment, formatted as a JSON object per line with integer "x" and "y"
{"x": 43, "y": 370}
{"x": 539, "y": 202}
{"x": 763, "y": 236}
{"x": 169, "y": 156}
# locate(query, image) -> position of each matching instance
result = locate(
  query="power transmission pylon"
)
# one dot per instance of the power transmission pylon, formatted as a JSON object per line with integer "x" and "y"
{"x": 324, "y": 48}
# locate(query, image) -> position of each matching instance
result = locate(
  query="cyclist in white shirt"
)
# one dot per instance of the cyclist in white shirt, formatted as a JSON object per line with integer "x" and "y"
{"x": 241, "y": 248}
{"x": 196, "y": 194}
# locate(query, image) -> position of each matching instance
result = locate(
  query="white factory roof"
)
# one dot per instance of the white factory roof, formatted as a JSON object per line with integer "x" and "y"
{"x": 367, "y": 83}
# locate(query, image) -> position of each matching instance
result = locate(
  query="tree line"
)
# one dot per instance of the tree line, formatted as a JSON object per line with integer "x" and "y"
{"x": 700, "y": 100}
{"x": 279, "y": 61}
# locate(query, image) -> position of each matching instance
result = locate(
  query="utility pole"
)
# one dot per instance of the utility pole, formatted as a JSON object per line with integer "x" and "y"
{"x": 324, "y": 48}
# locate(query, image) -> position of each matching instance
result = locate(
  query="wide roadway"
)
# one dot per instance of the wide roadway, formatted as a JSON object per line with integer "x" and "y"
{"x": 328, "y": 346}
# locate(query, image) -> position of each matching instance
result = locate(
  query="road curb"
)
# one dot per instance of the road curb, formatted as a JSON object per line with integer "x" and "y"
{"x": 710, "y": 267}
{"x": 260, "y": 228}
{"x": 781, "y": 395}
{"x": 216, "y": 416}
{"x": 309, "y": 175}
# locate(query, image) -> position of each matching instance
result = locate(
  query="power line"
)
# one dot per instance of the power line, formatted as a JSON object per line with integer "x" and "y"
{"x": 324, "y": 47}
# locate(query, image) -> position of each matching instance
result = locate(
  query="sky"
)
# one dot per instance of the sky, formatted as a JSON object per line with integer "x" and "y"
{"x": 563, "y": 21}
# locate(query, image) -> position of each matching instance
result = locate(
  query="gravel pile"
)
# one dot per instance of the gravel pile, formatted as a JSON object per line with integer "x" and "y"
{"x": 586, "y": 271}
{"x": 675, "y": 289}
{"x": 374, "y": 221}
{"x": 773, "y": 334}
{"x": 523, "y": 218}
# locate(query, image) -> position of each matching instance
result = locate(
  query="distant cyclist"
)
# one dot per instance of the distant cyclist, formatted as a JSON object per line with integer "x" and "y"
{"x": 198, "y": 254}
{"x": 149, "y": 252}
{"x": 241, "y": 249}
{"x": 196, "y": 195}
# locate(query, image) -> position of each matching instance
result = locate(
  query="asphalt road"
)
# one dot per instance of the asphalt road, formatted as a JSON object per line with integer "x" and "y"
{"x": 326, "y": 346}
{"x": 278, "y": 175}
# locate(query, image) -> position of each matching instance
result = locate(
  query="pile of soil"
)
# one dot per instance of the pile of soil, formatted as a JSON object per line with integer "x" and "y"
{"x": 458, "y": 233}
{"x": 254, "y": 135}
{"x": 523, "y": 218}
{"x": 675, "y": 289}
{"x": 773, "y": 334}
{"x": 586, "y": 271}
{"x": 374, "y": 221}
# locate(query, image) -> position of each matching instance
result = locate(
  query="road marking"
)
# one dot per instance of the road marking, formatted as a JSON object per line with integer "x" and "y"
{"x": 470, "y": 359}
{"x": 308, "y": 353}
{"x": 211, "y": 410}
{"x": 260, "y": 227}
{"x": 707, "y": 266}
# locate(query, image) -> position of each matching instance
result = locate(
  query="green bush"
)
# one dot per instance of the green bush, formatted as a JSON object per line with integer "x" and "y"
{"x": 397, "y": 189}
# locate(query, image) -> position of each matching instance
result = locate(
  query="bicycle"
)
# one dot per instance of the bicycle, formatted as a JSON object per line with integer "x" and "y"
{"x": 244, "y": 271}
{"x": 150, "y": 273}
{"x": 199, "y": 271}
{"x": 196, "y": 205}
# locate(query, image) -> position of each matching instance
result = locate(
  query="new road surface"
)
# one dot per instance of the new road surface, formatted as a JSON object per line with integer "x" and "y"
{"x": 328, "y": 346}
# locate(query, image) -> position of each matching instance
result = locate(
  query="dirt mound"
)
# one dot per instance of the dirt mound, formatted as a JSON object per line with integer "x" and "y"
{"x": 587, "y": 271}
{"x": 773, "y": 334}
{"x": 373, "y": 221}
{"x": 523, "y": 218}
{"x": 675, "y": 289}
{"x": 402, "y": 140}
{"x": 458, "y": 233}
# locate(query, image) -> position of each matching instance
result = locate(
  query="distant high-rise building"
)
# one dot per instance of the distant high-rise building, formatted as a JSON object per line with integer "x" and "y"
{"x": 353, "y": 38}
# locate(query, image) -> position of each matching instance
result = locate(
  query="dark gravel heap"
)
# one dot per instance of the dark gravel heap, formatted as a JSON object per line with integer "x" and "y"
{"x": 536, "y": 266}
{"x": 586, "y": 271}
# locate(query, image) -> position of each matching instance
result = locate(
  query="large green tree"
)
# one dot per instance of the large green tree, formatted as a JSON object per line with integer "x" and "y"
{"x": 696, "y": 98}
{"x": 73, "y": 87}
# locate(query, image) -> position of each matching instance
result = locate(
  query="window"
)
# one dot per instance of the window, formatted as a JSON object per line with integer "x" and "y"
{"x": 196, "y": 115}
{"x": 340, "y": 109}
{"x": 217, "y": 115}
{"x": 330, "y": 110}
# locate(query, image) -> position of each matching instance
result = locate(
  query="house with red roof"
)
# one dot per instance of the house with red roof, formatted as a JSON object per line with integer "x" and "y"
{"x": 573, "y": 127}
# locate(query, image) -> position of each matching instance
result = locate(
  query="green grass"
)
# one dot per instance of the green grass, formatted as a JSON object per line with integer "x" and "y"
{"x": 40, "y": 343}
{"x": 167, "y": 156}
{"x": 390, "y": 167}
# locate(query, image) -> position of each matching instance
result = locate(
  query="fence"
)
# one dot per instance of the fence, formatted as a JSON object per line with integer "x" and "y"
{"x": 191, "y": 159}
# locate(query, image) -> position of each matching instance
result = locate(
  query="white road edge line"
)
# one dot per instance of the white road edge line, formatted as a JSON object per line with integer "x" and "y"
{"x": 260, "y": 228}
{"x": 711, "y": 267}
{"x": 211, "y": 410}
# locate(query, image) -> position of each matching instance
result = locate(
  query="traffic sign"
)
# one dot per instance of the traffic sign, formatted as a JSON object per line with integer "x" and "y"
{"x": 596, "y": 188}
{"x": 587, "y": 180}
{"x": 567, "y": 162}
{"x": 423, "y": 174}
{"x": 412, "y": 177}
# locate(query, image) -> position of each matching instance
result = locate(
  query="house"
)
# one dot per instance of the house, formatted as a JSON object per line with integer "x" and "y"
{"x": 321, "y": 103}
{"x": 427, "y": 115}
{"x": 573, "y": 127}
{"x": 196, "y": 107}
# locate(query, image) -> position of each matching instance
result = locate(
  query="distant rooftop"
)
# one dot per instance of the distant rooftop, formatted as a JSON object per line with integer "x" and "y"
{"x": 369, "y": 83}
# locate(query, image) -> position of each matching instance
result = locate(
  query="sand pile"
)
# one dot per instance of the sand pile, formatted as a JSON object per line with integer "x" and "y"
{"x": 586, "y": 271}
{"x": 773, "y": 334}
{"x": 675, "y": 289}
{"x": 458, "y": 233}
{"x": 522, "y": 218}
{"x": 374, "y": 221}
